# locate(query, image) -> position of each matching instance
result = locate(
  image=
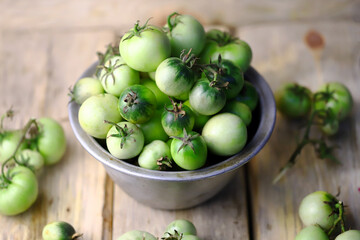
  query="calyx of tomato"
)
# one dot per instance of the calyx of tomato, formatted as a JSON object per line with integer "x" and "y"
{"x": 111, "y": 51}
{"x": 137, "y": 30}
{"x": 175, "y": 236}
{"x": 109, "y": 71}
{"x": 124, "y": 133}
{"x": 223, "y": 38}
{"x": 164, "y": 163}
{"x": 214, "y": 73}
{"x": 186, "y": 140}
{"x": 177, "y": 109}
{"x": 130, "y": 99}
{"x": 188, "y": 59}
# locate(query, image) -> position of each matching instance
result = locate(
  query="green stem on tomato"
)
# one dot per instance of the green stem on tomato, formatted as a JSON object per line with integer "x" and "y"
{"x": 169, "y": 21}
{"x": 340, "y": 208}
{"x": 24, "y": 131}
{"x": 305, "y": 140}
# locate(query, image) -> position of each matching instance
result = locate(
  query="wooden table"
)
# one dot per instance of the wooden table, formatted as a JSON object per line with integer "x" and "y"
{"x": 45, "y": 46}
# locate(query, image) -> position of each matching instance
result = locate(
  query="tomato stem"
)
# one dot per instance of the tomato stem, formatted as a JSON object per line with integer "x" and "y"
{"x": 177, "y": 109}
{"x": 170, "y": 25}
{"x": 340, "y": 209}
{"x": 305, "y": 140}
{"x": 24, "y": 132}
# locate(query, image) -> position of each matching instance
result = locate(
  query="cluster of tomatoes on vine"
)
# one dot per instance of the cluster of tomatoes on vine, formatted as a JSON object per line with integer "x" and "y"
{"x": 165, "y": 96}
{"x": 324, "y": 218}
{"x": 23, "y": 154}
{"x": 326, "y": 109}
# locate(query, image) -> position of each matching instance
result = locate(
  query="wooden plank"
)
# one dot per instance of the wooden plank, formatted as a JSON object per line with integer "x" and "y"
{"x": 222, "y": 217}
{"x": 41, "y": 14}
{"x": 39, "y": 68}
{"x": 281, "y": 55}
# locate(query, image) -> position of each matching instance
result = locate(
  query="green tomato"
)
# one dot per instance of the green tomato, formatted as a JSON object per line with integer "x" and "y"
{"x": 231, "y": 75}
{"x": 317, "y": 208}
{"x": 230, "y": 48}
{"x": 240, "y": 109}
{"x": 181, "y": 226}
{"x": 334, "y": 97}
{"x": 206, "y": 98}
{"x": 173, "y": 77}
{"x": 248, "y": 95}
{"x": 59, "y": 230}
{"x": 153, "y": 129}
{"x": 349, "y": 235}
{"x": 189, "y": 150}
{"x": 85, "y": 88}
{"x": 161, "y": 98}
{"x": 137, "y": 104}
{"x": 17, "y": 196}
{"x": 312, "y": 233}
{"x": 144, "y": 48}
{"x": 200, "y": 119}
{"x": 176, "y": 118}
{"x": 155, "y": 156}
{"x": 330, "y": 125}
{"x": 8, "y": 143}
{"x": 293, "y": 100}
{"x": 95, "y": 110}
{"x": 30, "y": 158}
{"x": 137, "y": 235}
{"x": 225, "y": 134}
{"x": 185, "y": 33}
{"x": 125, "y": 140}
{"x": 51, "y": 140}
{"x": 116, "y": 75}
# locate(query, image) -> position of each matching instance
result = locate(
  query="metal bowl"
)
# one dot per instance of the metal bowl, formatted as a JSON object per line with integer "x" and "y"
{"x": 182, "y": 189}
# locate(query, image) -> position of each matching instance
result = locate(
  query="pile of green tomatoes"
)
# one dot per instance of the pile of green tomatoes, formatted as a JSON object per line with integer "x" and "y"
{"x": 166, "y": 97}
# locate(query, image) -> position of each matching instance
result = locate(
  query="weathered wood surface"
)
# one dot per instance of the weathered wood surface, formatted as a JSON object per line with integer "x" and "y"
{"x": 42, "y": 53}
{"x": 282, "y": 54}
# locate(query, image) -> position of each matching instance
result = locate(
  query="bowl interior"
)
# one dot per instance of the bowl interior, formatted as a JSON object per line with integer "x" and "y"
{"x": 258, "y": 134}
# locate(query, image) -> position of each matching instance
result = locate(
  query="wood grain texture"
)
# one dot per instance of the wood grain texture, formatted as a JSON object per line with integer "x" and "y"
{"x": 223, "y": 217}
{"x": 43, "y": 14}
{"x": 39, "y": 69}
{"x": 284, "y": 57}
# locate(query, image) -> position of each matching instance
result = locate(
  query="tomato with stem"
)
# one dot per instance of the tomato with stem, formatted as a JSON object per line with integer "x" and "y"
{"x": 189, "y": 150}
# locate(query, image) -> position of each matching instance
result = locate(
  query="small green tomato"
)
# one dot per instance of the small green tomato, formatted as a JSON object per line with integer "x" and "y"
{"x": 125, "y": 140}
{"x": 59, "y": 230}
{"x": 155, "y": 156}
{"x": 85, "y": 88}
{"x": 349, "y": 235}
{"x": 225, "y": 134}
{"x": 31, "y": 158}
{"x": 312, "y": 233}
